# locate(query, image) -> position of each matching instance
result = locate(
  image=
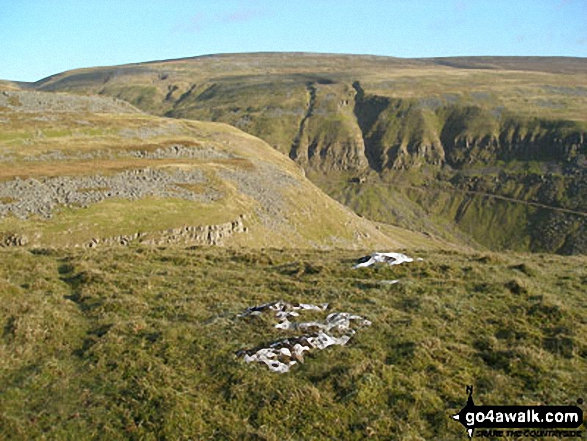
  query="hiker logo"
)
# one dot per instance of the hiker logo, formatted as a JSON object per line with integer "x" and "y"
{"x": 519, "y": 417}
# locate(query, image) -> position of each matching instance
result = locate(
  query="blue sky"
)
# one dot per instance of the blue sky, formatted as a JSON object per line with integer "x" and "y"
{"x": 42, "y": 37}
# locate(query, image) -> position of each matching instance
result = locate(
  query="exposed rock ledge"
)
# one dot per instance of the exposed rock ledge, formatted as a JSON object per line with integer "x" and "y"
{"x": 187, "y": 235}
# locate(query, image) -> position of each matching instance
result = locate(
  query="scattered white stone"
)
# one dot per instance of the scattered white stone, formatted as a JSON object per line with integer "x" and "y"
{"x": 388, "y": 258}
{"x": 336, "y": 329}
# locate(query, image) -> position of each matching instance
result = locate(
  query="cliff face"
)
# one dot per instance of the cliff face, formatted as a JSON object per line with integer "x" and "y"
{"x": 339, "y": 127}
{"x": 397, "y": 133}
{"x": 400, "y": 134}
{"x": 311, "y": 120}
{"x": 328, "y": 137}
{"x": 507, "y": 181}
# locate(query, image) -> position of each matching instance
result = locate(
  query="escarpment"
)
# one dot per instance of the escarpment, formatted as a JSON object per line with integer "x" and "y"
{"x": 329, "y": 126}
{"x": 185, "y": 235}
{"x": 404, "y": 133}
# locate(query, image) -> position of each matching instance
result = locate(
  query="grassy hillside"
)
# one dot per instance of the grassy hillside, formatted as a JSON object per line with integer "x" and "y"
{"x": 139, "y": 343}
{"x": 511, "y": 129}
{"x": 8, "y": 85}
{"x": 463, "y": 214}
{"x": 530, "y": 78}
{"x": 84, "y": 171}
{"x": 269, "y": 94}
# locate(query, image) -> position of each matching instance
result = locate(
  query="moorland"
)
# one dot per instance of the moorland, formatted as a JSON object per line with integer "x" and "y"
{"x": 144, "y": 207}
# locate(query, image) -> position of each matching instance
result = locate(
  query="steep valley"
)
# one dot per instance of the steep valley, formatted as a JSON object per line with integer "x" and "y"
{"x": 476, "y": 144}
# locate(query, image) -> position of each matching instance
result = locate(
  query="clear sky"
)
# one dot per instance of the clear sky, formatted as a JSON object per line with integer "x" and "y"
{"x": 43, "y": 37}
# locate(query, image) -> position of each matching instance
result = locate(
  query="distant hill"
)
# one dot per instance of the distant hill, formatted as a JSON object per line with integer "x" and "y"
{"x": 8, "y": 85}
{"x": 553, "y": 65}
{"x": 493, "y": 145}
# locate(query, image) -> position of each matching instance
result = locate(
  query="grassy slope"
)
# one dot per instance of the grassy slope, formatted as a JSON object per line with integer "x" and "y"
{"x": 463, "y": 216}
{"x": 139, "y": 343}
{"x": 99, "y": 143}
{"x": 8, "y": 85}
{"x": 391, "y": 204}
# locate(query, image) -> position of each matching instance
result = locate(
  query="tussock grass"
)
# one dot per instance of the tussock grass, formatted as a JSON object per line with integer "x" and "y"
{"x": 139, "y": 343}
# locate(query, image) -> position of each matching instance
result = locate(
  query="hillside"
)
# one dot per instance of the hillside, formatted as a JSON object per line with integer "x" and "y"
{"x": 143, "y": 251}
{"x": 8, "y": 85}
{"x": 95, "y": 171}
{"x": 480, "y": 143}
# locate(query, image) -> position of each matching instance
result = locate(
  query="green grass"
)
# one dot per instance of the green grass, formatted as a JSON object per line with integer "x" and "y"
{"x": 139, "y": 343}
{"x": 513, "y": 212}
{"x": 540, "y": 88}
{"x": 119, "y": 217}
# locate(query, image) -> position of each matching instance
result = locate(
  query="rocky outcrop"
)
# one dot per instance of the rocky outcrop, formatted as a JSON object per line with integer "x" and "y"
{"x": 471, "y": 136}
{"x": 404, "y": 133}
{"x": 328, "y": 137}
{"x": 186, "y": 235}
{"x": 179, "y": 150}
{"x": 13, "y": 240}
{"x": 397, "y": 133}
{"x": 42, "y": 196}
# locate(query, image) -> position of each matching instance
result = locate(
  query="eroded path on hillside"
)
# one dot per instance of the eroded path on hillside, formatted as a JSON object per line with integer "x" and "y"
{"x": 503, "y": 198}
